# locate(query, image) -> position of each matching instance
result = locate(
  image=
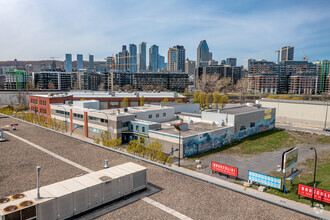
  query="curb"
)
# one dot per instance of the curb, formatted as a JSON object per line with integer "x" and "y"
{"x": 189, "y": 173}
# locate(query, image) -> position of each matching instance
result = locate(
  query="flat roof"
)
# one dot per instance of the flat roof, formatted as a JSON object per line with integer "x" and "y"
{"x": 193, "y": 129}
{"x": 122, "y": 94}
{"x": 239, "y": 110}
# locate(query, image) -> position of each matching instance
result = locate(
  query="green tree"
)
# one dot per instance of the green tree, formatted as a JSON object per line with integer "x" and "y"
{"x": 272, "y": 97}
{"x": 142, "y": 100}
{"x": 202, "y": 99}
{"x": 224, "y": 101}
{"x": 165, "y": 100}
{"x": 284, "y": 97}
{"x": 125, "y": 102}
{"x": 216, "y": 98}
{"x": 196, "y": 97}
{"x": 208, "y": 99}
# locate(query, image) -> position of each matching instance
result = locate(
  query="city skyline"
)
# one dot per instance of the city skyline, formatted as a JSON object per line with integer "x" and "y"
{"x": 232, "y": 29}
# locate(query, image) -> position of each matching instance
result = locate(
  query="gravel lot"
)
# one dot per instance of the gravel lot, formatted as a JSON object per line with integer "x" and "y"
{"x": 191, "y": 197}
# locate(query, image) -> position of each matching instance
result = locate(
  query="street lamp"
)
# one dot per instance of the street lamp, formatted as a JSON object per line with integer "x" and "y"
{"x": 78, "y": 126}
{"x": 177, "y": 127}
{"x": 171, "y": 153}
{"x": 66, "y": 129}
{"x": 107, "y": 121}
{"x": 326, "y": 117}
{"x": 313, "y": 148}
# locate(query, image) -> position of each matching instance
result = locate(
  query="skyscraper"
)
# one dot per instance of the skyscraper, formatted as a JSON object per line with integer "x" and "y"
{"x": 68, "y": 62}
{"x": 203, "y": 53}
{"x": 124, "y": 59}
{"x": 153, "y": 58}
{"x": 91, "y": 62}
{"x": 287, "y": 53}
{"x": 133, "y": 58}
{"x": 80, "y": 62}
{"x": 176, "y": 59}
{"x": 190, "y": 67}
{"x": 248, "y": 64}
{"x": 161, "y": 62}
{"x": 142, "y": 57}
{"x": 231, "y": 61}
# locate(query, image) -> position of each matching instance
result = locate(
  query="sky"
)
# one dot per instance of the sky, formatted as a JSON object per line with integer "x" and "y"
{"x": 39, "y": 29}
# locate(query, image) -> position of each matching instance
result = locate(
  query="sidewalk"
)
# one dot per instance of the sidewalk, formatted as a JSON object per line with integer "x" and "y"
{"x": 286, "y": 203}
{"x": 302, "y": 128}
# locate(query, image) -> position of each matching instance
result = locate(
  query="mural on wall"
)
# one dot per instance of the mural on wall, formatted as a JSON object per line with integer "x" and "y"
{"x": 205, "y": 142}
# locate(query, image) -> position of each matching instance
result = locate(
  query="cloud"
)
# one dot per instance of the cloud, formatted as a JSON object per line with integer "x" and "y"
{"x": 40, "y": 29}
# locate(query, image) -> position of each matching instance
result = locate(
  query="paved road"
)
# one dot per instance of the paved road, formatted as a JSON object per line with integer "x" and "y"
{"x": 185, "y": 195}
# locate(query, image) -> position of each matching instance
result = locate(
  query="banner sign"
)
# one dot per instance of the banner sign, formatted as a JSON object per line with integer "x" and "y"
{"x": 222, "y": 168}
{"x": 319, "y": 194}
{"x": 289, "y": 159}
{"x": 268, "y": 114}
{"x": 264, "y": 179}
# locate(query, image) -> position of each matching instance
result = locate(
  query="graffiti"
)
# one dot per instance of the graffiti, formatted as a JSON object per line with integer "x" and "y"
{"x": 205, "y": 142}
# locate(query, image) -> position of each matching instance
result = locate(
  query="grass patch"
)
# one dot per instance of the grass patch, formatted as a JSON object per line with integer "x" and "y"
{"x": 306, "y": 178}
{"x": 325, "y": 140}
{"x": 263, "y": 142}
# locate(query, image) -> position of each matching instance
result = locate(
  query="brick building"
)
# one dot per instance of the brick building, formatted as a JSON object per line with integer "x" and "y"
{"x": 41, "y": 103}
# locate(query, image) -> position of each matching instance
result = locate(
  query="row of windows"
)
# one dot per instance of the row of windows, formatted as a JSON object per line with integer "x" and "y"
{"x": 42, "y": 110}
{"x": 34, "y": 101}
{"x": 157, "y": 115}
{"x": 42, "y": 102}
{"x": 59, "y": 112}
{"x": 34, "y": 109}
{"x": 95, "y": 130}
{"x": 97, "y": 119}
{"x": 77, "y": 115}
{"x": 137, "y": 128}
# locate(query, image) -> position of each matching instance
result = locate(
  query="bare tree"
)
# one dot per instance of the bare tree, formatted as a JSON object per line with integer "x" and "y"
{"x": 116, "y": 88}
{"x": 101, "y": 86}
{"x": 51, "y": 85}
{"x": 211, "y": 82}
{"x": 127, "y": 87}
{"x": 242, "y": 87}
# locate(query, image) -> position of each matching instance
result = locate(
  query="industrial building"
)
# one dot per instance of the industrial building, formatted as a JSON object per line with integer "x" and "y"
{"x": 107, "y": 100}
{"x": 202, "y": 131}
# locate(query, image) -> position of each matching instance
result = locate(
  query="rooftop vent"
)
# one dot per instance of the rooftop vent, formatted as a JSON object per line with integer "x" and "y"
{"x": 10, "y": 208}
{"x": 4, "y": 200}
{"x": 125, "y": 109}
{"x": 18, "y": 196}
{"x": 26, "y": 203}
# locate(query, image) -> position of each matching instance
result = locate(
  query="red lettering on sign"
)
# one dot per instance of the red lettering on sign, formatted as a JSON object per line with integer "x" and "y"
{"x": 319, "y": 194}
{"x": 232, "y": 171}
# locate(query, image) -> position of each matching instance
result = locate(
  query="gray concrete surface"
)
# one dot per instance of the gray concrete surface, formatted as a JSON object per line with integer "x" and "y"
{"x": 189, "y": 196}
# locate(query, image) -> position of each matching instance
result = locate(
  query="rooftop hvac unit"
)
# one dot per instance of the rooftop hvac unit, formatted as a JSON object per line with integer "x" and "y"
{"x": 139, "y": 176}
{"x": 46, "y": 205}
{"x": 80, "y": 195}
{"x": 109, "y": 183}
{"x": 125, "y": 179}
{"x": 22, "y": 207}
{"x": 64, "y": 199}
{"x": 94, "y": 190}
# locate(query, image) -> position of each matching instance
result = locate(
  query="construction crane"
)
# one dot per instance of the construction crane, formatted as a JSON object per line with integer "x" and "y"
{"x": 278, "y": 55}
{"x": 53, "y": 58}
{"x": 304, "y": 57}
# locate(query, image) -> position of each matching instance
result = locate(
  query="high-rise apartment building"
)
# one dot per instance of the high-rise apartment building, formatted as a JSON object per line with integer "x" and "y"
{"x": 287, "y": 53}
{"x": 176, "y": 59}
{"x": 248, "y": 63}
{"x": 132, "y": 58}
{"x": 123, "y": 59}
{"x": 203, "y": 53}
{"x": 190, "y": 67}
{"x": 80, "y": 62}
{"x": 91, "y": 62}
{"x": 142, "y": 57}
{"x": 323, "y": 73}
{"x": 68, "y": 62}
{"x": 153, "y": 58}
{"x": 161, "y": 62}
{"x": 231, "y": 61}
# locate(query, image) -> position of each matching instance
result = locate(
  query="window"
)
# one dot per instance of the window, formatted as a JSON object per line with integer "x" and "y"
{"x": 252, "y": 124}
{"x": 150, "y": 116}
{"x": 164, "y": 114}
{"x": 94, "y": 130}
{"x": 137, "y": 128}
{"x": 132, "y": 127}
{"x": 104, "y": 120}
{"x": 143, "y": 129}
{"x": 157, "y": 115}
{"x": 124, "y": 125}
{"x": 242, "y": 127}
{"x": 77, "y": 115}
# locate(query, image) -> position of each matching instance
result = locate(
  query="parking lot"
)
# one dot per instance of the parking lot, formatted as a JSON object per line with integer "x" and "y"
{"x": 184, "y": 195}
